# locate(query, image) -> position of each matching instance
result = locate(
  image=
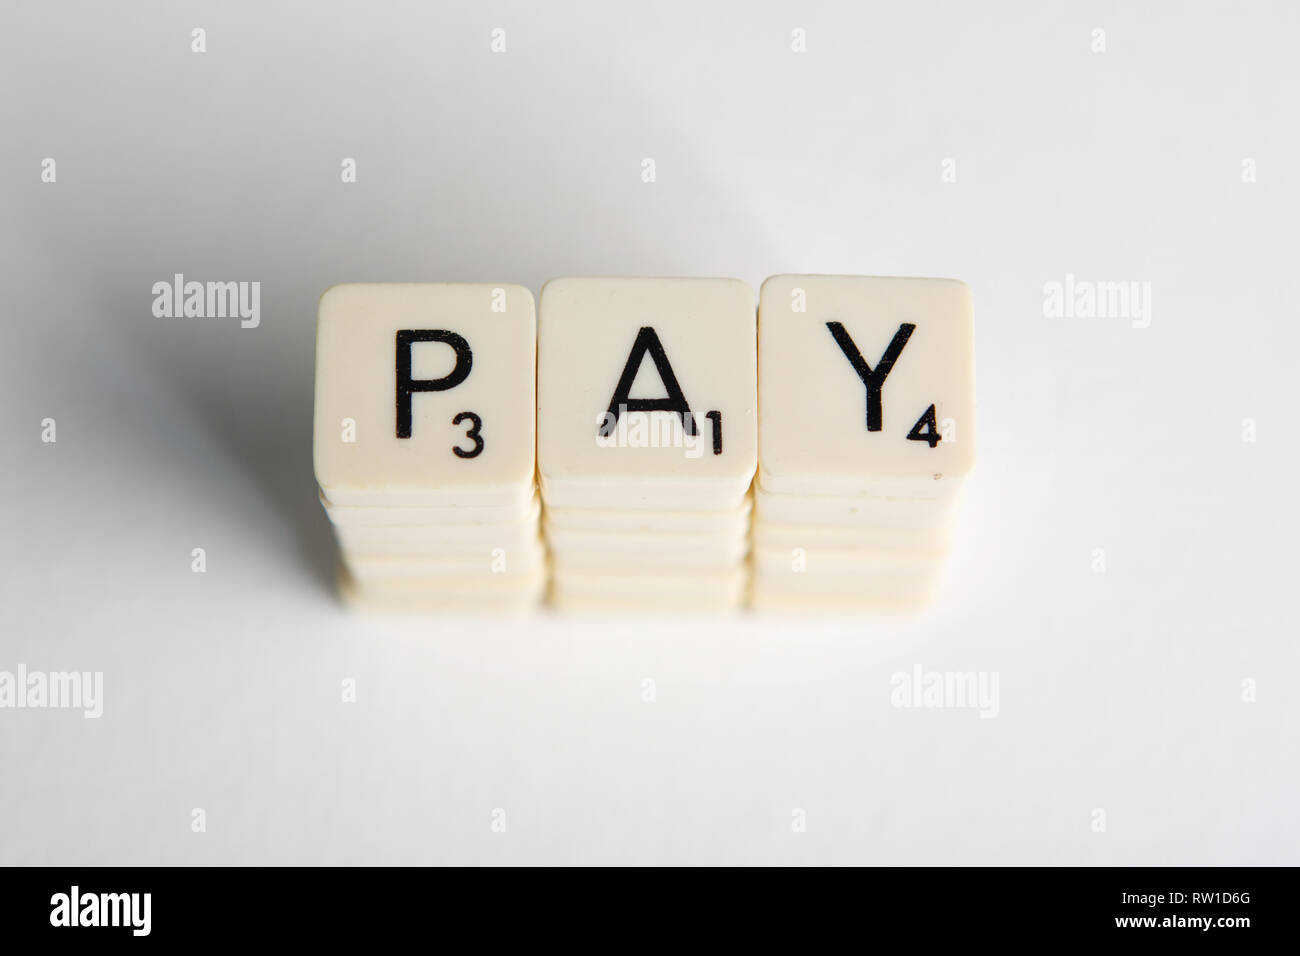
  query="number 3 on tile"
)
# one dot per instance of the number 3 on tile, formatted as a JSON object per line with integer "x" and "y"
{"x": 476, "y": 426}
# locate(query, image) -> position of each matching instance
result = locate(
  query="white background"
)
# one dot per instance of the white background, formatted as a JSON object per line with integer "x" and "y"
{"x": 1120, "y": 691}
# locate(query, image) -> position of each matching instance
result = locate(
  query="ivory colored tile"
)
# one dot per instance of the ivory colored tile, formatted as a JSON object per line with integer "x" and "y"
{"x": 783, "y": 581}
{"x": 620, "y": 360}
{"x": 718, "y": 602}
{"x": 824, "y": 604}
{"x": 425, "y": 394}
{"x": 516, "y": 569}
{"x": 867, "y": 385}
{"x": 417, "y": 598}
{"x": 432, "y": 540}
{"x": 927, "y": 541}
{"x": 734, "y": 521}
{"x": 654, "y": 589}
{"x": 381, "y": 580}
{"x": 854, "y": 512}
{"x": 645, "y": 543}
{"x": 362, "y": 600}
{"x": 631, "y": 563}
{"x": 644, "y": 496}
{"x": 778, "y": 563}
{"x": 527, "y": 510}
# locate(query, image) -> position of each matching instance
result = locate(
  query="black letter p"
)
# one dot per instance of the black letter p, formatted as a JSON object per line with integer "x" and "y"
{"x": 405, "y": 384}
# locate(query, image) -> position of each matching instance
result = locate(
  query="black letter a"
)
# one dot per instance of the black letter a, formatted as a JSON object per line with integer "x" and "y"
{"x": 675, "y": 401}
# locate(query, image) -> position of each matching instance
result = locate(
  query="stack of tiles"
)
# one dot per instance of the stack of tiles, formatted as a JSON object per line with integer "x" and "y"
{"x": 646, "y": 441}
{"x": 865, "y": 434}
{"x": 425, "y": 443}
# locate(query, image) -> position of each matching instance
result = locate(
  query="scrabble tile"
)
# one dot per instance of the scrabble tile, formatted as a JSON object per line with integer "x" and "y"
{"x": 854, "y": 512}
{"x": 907, "y": 602}
{"x": 708, "y": 604}
{"x": 684, "y": 590}
{"x": 646, "y": 393}
{"x": 414, "y": 598}
{"x": 435, "y": 539}
{"x": 425, "y": 394}
{"x": 867, "y": 385}
{"x": 734, "y": 521}
{"x": 378, "y": 584}
{"x": 785, "y": 537}
{"x": 422, "y": 605}
{"x": 854, "y": 565}
{"x": 903, "y": 585}
{"x": 641, "y": 544}
{"x": 628, "y": 562}
{"x": 527, "y": 509}
{"x": 505, "y": 568}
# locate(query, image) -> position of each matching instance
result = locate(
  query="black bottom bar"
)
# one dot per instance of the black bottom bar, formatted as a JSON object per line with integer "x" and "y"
{"x": 337, "y": 906}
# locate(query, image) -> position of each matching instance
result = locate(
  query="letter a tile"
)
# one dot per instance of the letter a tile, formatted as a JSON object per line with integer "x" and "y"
{"x": 647, "y": 393}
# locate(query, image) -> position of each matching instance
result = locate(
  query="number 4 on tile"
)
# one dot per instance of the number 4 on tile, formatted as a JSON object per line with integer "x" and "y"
{"x": 930, "y": 434}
